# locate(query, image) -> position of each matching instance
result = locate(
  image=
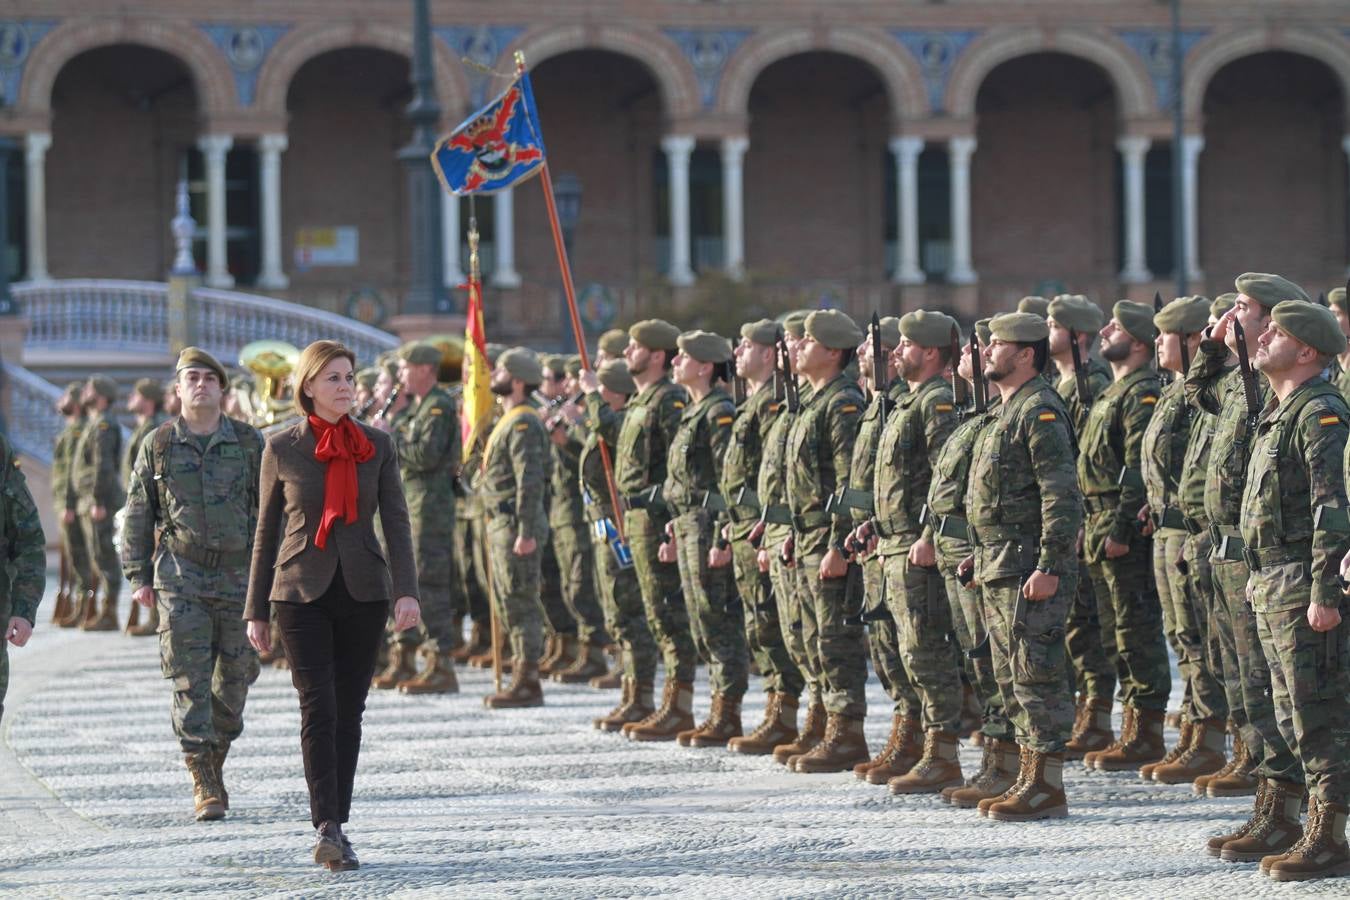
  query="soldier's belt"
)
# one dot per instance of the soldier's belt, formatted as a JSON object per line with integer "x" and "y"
{"x": 649, "y": 499}
{"x": 1194, "y": 526}
{"x": 1267, "y": 557}
{"x": 998, "y": 534}
{"x": 714, "y": 501}
{"x": 811, "y": 521}
{"x": 746, "y": 497}
{"x": 206, "y": 557}
{"x": 1101, "y": 503}
{"x": 776, "y": 514}
{"x": 951, "y": 527}
{"x": 1227, "y": 542}
{"x": 847, "y": 499}
{"x": 1170, "y": 517}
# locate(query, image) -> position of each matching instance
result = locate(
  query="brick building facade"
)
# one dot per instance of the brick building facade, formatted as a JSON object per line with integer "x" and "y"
{"x": 866, "y": 154}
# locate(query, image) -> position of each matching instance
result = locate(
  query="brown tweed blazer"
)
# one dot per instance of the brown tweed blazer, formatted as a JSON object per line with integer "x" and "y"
{"x": 287, "y": 567}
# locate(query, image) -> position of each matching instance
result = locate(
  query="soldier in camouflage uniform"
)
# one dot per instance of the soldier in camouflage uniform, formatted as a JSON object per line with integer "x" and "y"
{"x": 186, "y": 546}
{"x": 1024, "y": 509}
{"x": 24, "y": 578}
{"x": 515, "y": 473}
{"x": 76, "y": 578}
{"x": 1117, "y": 553}
{"x": 693, "y": 467}
{"x": 145, "y": 403}
{"x": 97, "y": 494}
{"x": 1204, "y": 708}
{"x": 1091, "y": 631}
{"x": 819, "y": 451}
{"x": 560, "y": 644}
{"x": 1340, "y": 367}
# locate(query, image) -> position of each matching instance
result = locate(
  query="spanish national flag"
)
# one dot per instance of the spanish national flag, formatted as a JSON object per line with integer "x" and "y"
{"x": 475, "y": 415}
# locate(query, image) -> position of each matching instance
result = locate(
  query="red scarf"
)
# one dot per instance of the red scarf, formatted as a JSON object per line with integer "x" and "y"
{"x": 341, "y": 446}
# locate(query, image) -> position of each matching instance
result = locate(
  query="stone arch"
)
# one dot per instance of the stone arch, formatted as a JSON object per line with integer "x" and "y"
{"x": 300, "y": 46}
{"x": 895, "y": 67}
{"x": 211, "y": 73}
{"x": 1218, "y": 50}
{"x": 1135, "y": 93}
{"x": 669, "y": 68}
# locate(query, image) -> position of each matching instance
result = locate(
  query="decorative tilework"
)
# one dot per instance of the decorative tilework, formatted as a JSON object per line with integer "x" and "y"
{"x": 708, "y": 52}
{"x": 1154, "y": 47}
{"x": 482, "y": 44}
{"x": 246, "y": 47}
{"x": 17, "y": 40}
{"x": 936, "y": 53}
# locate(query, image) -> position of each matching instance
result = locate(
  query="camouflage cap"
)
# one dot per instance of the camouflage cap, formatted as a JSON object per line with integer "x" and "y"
{"x": 614, "y": 376}
{"x": 1184, "y": 315}
{"x": 927, "y": 328}
{"x": 613, "y": 342}
{"x": 1310, "y": 324}
{"x": 572, "y": 365}
{"x": 704, "y": 346}
{"x": 197, "y": 358}
{"x": 367, "y": 377}
{"x": 655, "y": 334}
{"x": 1336, "y": 298}
{"x": 764, "y": 332}
{"x": 890, "y": 331}
{"x": 983, "y": 334}
{"x": 420, "y": 353}
{"x": 833, "y": 329}
{"x": 150, "y": 389}
{"x": 1037, "y": 306}
{"x": 103, "y": 386}
{"x": 553, "y": 364}
{"x": 1269, "y": 290}
{"x": 522, "y": 363}
{"x": 1136, "y": 319}
{"x": 794, "y": 323}
{"x": 1222, "y": 304}
{"x": 1018, "y": 327}
{"x": 1076, "y": 313}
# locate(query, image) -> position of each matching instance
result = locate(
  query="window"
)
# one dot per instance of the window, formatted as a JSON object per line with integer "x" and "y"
{"x": 242, "y": 238}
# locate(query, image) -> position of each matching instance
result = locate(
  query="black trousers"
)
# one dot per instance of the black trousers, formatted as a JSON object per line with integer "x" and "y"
{"x": 331, "y": 645}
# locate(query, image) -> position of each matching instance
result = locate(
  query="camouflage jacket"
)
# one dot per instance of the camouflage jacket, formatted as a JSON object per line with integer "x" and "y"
{"x": 206, "y": 500}
{"x": 951, "y": 470}
{"x": 138, "y": 434}
{"x": 516, "y": 469}
{"x": 1297, "y": 466}
{"x": 819, "y": 450}
{"x": 694, "y": 461}
{"x": 772, "y": 482}
{"x": 25, "y": 576}
{"x": 564, "y": 495}
{"x": 63, "y": 456}
{"x": 427, "y": 438}
{"x": 1164, "y": 449}
{"x": 862, "y": 468}
{"x": 1340, "y": 377}
{"x": 649, "y": 424}
{"x": 906, "y": 455}
{"x": 1099, "y": 379}
{"x": 95, "y": 467}
{"x": 1110, "y": 455}
{"x": 1191, "y": 486}
{"x": 743, "y": 457}
{"x": 602, "y": 423}
{"x": 1216, "y": 387}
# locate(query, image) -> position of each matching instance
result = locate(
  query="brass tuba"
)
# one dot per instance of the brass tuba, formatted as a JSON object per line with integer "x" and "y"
{"x": 272, "y": 363}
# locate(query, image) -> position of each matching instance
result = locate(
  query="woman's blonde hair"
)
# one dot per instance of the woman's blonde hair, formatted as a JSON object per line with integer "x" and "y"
{"x": 313, "y": 360}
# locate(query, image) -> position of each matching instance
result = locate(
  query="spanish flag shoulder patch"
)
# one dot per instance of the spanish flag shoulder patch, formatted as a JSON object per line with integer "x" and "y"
{"x": 774, "y": 407}
{"x": 1330, "y": 419}
{"x": 943, "y": 407}
{"x": 437, "y": 411}
{"x": 1149, "y": 399}
{"x": 849, "y": 408}
{"x": 678, "y": 404}
{"x": 725, "y": 420}
{"x": 1046, "y": 417}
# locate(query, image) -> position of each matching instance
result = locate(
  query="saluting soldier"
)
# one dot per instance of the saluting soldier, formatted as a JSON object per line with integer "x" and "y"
{"x": 146, "y": 403}
{"x": 186, "y": 546}
{"x": 24, "y": 578}
{"x": 75, "y": 574}
{"x": 96, "y": 496}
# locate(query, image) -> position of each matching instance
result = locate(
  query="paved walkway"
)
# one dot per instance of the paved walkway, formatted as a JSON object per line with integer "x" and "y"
{"x": 452, "y": 799}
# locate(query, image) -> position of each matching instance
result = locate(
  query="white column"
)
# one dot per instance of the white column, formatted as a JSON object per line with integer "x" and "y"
{"x": 1132, "y": 151}
{"x": 733, "y": 204}
{"x": 1345, "y": 145}
{"x": 504, "y": 272}
{"x": 1191, "y": 145}
{"x": 959, "y": 150}
{"x": 214, "y": 147}
{"x": 678, "y": 148}
{"x": 907, "y": 268}
{"x": 272, "y": 277}
{"x": 35, "y": 156}
{"x": 450, "y": 235}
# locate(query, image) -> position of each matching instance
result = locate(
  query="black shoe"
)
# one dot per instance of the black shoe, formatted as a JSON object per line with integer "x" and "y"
{"x": 348, "y": 862}
{"x": 328, "y": 847}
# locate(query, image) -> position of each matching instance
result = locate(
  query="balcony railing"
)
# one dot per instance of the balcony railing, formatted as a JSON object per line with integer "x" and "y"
{"x": 33, "y": 420}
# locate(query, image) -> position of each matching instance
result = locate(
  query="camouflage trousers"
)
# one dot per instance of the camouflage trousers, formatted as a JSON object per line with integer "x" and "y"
{"x": 1186, "y": 623}
{"x": 798, "y": 629}
{"x": 667, "y": 615}
{"x": 1090, "y": 636}
{"x": 437, "y": 585}
{"x": 515, "y": 589}
{"x": 472, "y": 597}
{"x": 715, "y": 616}
{"x": 77, "y": 554}
{"x": 556, "y": 614}
{"x": 968, "y": 621}
{"x": 763, "y": 630}
{"x": 204, "y": 651}
{"x": 105, "y": 566}
{"x": 625, "y": 617}
{"x": 576, "y": 569}
{"x": 1143, "y": 671}
{"x": 883, "y": 640}
{"x": 1246, "y": 677}
{"x": 917, "y": 600}
{"x": 841, "y": 647}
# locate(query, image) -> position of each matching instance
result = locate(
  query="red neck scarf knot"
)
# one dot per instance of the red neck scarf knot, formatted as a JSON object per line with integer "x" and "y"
{"x": 341, "y": 445}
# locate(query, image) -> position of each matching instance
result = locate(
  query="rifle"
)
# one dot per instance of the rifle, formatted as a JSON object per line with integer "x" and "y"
{"x": 977, "y": 370}
{"x": 789, "y": 380}
{"x": 738, "y": 390}
{"x": 360, "y": 414}
{"x": 1080, "y": 371}
{"x": 879, "y": 366}
{"x": 389, "y": 403}
{"x": 1165, "y": 376}
{"x": 1249, "y": 388}
{"x": 959, "y": 392}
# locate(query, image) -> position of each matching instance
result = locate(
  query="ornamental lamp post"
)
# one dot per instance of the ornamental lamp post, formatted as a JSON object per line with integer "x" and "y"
{"x": 426, "y": 292}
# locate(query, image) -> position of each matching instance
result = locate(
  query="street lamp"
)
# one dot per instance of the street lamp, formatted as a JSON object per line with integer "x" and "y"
{"x": 426, "y": 293}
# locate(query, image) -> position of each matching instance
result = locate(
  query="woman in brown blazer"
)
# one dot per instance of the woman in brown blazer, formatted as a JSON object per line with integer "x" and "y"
{"x": 318, "y": 567}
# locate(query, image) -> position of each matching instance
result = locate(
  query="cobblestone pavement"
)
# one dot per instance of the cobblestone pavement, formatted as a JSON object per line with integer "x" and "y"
{"x": 450, "y": 798}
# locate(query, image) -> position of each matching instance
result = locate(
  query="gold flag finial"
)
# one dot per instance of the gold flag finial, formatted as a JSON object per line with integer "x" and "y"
{"x": 520, "y": 63}
{"x": 473, "y": 250}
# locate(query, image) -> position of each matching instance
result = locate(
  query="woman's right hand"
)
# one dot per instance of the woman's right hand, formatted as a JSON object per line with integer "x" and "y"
{"x": 260, "y": 635}
{"x": 407, "y": 613}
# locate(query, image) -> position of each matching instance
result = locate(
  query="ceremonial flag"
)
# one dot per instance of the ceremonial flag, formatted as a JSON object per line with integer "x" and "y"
{"x": 475, "y": 414}
{"x": 496, "y": 147}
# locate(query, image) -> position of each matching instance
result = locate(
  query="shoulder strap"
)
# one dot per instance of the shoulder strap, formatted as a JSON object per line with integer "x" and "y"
{"x": 1296, "y": 410}
{"x": 159, "y": 465}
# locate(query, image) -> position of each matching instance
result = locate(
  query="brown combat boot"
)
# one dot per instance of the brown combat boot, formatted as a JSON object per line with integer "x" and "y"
{"x": 589, "y": 663}
{"x": 205, "y": 791}
{"x": 107, "y": 618}
{"x": 76, "y": 612}
{"x": 1277, "y": 831}
{"x": 998, "y": 775}
{"x": 812, "y": 732}
{"x": 89, "y": 611}
{"x": 1204, "y": 755}
{"x": 1141, "y": 743}
{"x": 402, "y": 667}
{"x": 779, "y": 727}
{"x": 1024, "y": 767}
{"x": 610, "y": 681}
{"x": 842, "y": 748}
{"x": 1092, "y": 732}
{"x": 684, "y": 737}
{"x": 484, "y": 660}
{"x": 477, "y": 643}
{"x": 936, "y": 769}
{"x": 722, "y": 726}
{"x": 1322, "y": 853}
{"x": 523, "y": 691}
{"x": 1214, "y": 846}
{"x": 861, "y": 769}
{"x": 437, "y": 678}
{"x": 908, "y": 750}
{"x": 1181, "y": 746}
{"x": 218, "y": 769}
{"x": 1239, "y": 779}
{"x": 676, "y": 714}
{"x": 1041, "y": 794}
{"x": 635, "y": 706}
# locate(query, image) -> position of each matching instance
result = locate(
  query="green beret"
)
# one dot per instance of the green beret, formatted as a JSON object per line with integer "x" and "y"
{"x": 494, "y": 350}
{"x": 833, "y": 329}
{"x": 764, "y": 332}
{"x": 1018, "y": 327}
{"x": 1184, "y": 315}
{"x": 890, "y": 331}
{"x": 983, "y": 334}
{"x": 614, "y": 342}
{"x": 103, "y": 386}
{"x": 1336, "y": 298}
{"x": 655, "y": 334}
{"x": 367, "y": 377}
{"x": 522, "y": 363}
{"x": 197, "y": 358}
{"x": 794, "y": 323}
{"x": 150, "y": 389}
{"x": 1269, "y": 290}
{"x": 419, "y": 353}
{"x": 704, "y": 346}
{"x": 553, "y": 363}
{"x": 1037, "y": 306}
{"x": 1222, "y": 304}
{"x": 1076, "y": 313}
{"x": 1136, "y": 319}
{"x": 572, "y": 365}
{"x": 614, "y": 375}
{"x": 72, "y": 392}
{"x": 1311, "y": 324}
{"x": 927, "y": 328}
